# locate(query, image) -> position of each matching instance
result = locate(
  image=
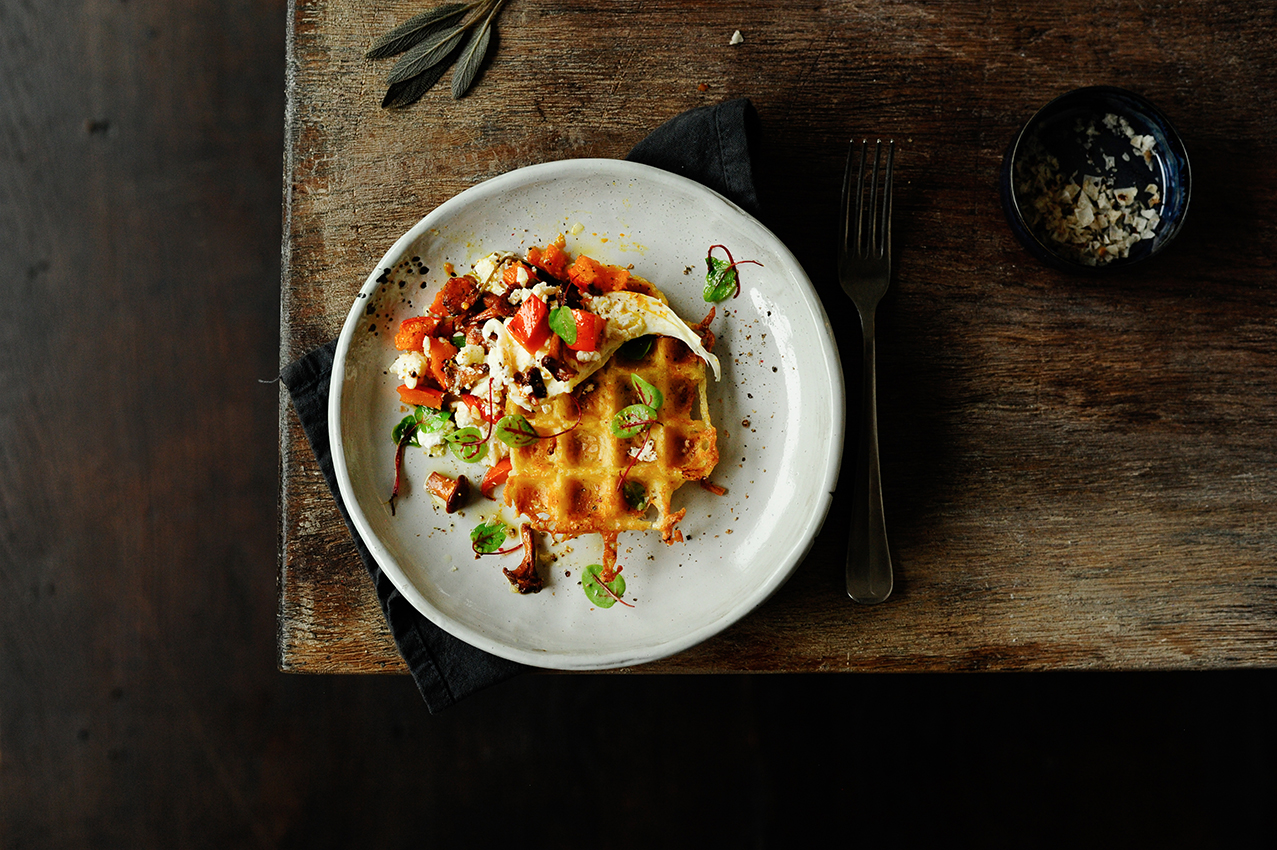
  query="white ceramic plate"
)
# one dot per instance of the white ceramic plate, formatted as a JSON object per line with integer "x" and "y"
{"x": 779, "y": 409}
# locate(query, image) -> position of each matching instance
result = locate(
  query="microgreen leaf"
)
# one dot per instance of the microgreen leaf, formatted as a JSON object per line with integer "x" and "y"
{"x": 647, "y": 393}
{"x": 430, "y": 420}
{"x": 409, "y": 433}
{"x": 603, "y": 594}
{"x": 467, "y": 444}
{"x": 635, "y": 495}
{"x": 720, "y": 280}
{"x": 407, "y": 427}
{"x": 630, "y": 421}
{"x": 516, "y": 430}
{"x": 636, "y": 349}
{"x": 563, "y": 323}
{"x": 486, "y": 538}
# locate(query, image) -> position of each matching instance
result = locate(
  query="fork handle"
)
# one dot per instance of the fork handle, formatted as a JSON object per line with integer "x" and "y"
{"x": 869, "y": 577}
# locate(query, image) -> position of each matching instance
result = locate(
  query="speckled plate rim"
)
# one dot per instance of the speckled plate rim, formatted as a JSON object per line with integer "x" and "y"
{"x": 785, "y": 305}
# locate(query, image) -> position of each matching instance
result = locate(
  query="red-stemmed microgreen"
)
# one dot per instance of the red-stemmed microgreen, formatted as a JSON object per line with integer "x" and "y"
{"x": 408, "y": 425}
{"x": 721, "y": 279}
{"x": 633, "y": 420}
{"x": 634, "y": 457}
{"x": 635, "y": 496}
{"x": 647, "y": 393}
{"x": 601, "y": 593}
{"x": 486, "y": 539}
{"x": 637, "y": 419}
{"x": 468, "y": 444}
{"x": 516, "y": 430}
{"x": 406, "y": 435}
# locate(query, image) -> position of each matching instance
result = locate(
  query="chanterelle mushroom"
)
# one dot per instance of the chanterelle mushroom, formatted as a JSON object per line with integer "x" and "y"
{"x": 525, "y": 578}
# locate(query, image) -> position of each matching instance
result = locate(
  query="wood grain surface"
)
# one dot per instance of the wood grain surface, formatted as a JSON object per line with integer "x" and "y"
{"x": 1078, "y": 473}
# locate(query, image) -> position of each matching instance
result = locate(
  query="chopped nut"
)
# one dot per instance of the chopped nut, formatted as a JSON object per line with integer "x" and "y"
{"x": 1090, "y": 222}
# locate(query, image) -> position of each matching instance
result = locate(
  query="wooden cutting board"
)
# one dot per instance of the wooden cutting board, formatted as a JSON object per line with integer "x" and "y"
{"x": 1078, "y": 473}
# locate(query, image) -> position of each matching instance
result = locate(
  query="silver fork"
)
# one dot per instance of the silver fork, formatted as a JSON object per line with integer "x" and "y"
{"x": 864, "y": 270}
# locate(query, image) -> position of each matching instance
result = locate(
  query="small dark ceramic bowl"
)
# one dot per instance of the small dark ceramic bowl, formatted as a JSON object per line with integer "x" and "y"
{"x": 1061, "y": 128}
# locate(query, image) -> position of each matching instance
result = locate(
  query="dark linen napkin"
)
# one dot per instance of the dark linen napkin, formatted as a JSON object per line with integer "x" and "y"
{"x": 710, "y": 144}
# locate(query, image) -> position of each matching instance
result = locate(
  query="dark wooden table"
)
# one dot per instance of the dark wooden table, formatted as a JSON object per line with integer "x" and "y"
{"x": 1078, "y": 473}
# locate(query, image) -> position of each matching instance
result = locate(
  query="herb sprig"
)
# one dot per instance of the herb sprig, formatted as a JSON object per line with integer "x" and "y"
{"x": 431, "y": 42}
{"x": 603, "y": 593}
{"x": 721, "y": 279}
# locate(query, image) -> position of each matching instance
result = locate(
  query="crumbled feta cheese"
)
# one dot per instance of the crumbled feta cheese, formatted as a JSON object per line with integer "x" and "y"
{"x": 465, "y": 417}
{"x": 471, "y": 355}
{"x": 410, "y": 366}
{"x": 647, "y": 453}
{"x": 431, "y": 440}
{"x": 544, "y": 291}
{"x": 488, "y": 271}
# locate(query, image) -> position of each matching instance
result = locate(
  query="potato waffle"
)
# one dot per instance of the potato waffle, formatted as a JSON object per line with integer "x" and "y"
{"x": 577, "y": 482}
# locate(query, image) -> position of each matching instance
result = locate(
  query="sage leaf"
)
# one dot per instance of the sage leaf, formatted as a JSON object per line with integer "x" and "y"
{"x": 416, "y": 28}
{"x": 426, "y": 55}
{"x": 472, "y": 57}
{"x": 410, "y": 91}
{"x": 432, "y": 41}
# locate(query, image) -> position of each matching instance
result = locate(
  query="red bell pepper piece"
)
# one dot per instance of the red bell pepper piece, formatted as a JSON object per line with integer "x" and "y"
{"x": 425, "y": 396}
{"x": 479, "y": 406}
{"x": 413, "y": 332}
{"x": 495, "y": 477}
{"x": 589, "y": 330}
{"x": 531, "y": 325}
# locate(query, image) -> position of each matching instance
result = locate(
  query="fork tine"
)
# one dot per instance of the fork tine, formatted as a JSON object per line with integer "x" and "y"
{"x": 884, "y": 242}
{"x": 866, "y": 202}
{"x": 873, "y": 229}
{"x": 850, "y": 204}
